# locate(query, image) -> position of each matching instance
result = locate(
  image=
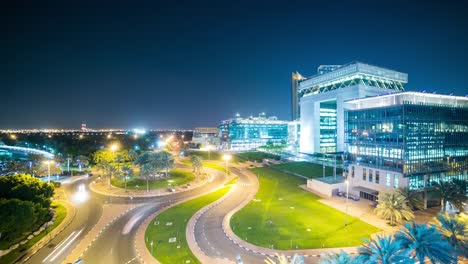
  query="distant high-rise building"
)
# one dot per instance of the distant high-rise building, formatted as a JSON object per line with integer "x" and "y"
{"x": 83, "y": 127}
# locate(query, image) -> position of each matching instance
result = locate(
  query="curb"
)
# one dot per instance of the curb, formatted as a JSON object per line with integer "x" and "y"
{"x": 46, "y": 239}
{"x": 143, "y": 253}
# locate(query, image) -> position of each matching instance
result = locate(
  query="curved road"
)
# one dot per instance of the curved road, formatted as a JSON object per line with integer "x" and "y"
{"x": 116, "y": 246}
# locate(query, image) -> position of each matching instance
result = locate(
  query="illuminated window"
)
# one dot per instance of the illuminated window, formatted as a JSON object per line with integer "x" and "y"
{"x": 370, "y": 176}
{"x": 395, "y": 180}
{"x": 377, "y": 176}
{"x": 364, "y": 174}
{"x": 388, "y": 180}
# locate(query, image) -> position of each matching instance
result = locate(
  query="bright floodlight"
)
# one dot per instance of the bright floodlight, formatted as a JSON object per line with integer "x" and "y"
{"x": 347, "y": 182}
{"x": 226, "y": 157}
{"x": 114, "y": 147}
{"x": 47, "y": 162}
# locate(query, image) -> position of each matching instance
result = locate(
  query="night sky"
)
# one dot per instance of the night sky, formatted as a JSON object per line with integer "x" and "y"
{"x": 181, "y": 64}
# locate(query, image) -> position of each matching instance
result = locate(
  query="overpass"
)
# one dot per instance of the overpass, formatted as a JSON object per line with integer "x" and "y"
{"x": 28, "y": 150}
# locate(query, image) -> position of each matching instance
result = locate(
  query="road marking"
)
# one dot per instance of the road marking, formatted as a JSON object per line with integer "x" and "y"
{"x": 57, "y": 247}
{"x": 66, "y": 245}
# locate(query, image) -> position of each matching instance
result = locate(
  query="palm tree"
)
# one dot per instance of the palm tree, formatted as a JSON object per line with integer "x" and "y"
{"x": 413, "y": 198}
{"x": 394, "y": 207}
{"x": 132, "y": 155}
{"x": 197, "y": 163}
{"x": 105, "y": 167}
{"x": 127, "y": 172}
{"x": 119, "y": 159}
{"x": 146, "y": 171}
{"x": 34, "y": 159}
{"x": 282, "y": 259}
{"x": 15, "y": 167}
{"x": 382, "y": 250}
{"x": 81, "y": 161}
{"x": 448, "y": 192}
{"x": 455, "y": 230}
{"x": 337, "y": 258}
{"x": 167, "y": 161}
{"x": 424, "y": 241}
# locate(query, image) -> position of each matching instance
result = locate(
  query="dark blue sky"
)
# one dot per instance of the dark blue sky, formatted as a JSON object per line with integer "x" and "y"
{"x": 180, "y": 64}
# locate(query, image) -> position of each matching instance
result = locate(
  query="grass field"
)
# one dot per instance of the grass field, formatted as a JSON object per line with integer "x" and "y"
{"x": 307, "y": 169}
{"x": 179, "y": 215}
{"x": 207, "y": 164}
{"x": 177, "y": 177}
{"x": 61, "y": 212}
{"x": 257, "y": 156}
{"x": 287, "y": 217}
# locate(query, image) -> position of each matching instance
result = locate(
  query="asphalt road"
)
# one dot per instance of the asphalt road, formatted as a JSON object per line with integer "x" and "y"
{"x": 116, "y": 246}
{"x": 208, "y": 229}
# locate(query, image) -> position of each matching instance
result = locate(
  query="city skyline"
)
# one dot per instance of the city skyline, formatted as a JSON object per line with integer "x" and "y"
{"x": 160, "y": 65}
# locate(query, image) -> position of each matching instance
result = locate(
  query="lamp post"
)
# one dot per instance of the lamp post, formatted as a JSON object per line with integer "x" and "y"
{"x": 48, "y": 162}
{"x": 347, "y": 198}
{"x": 226, "y": 157}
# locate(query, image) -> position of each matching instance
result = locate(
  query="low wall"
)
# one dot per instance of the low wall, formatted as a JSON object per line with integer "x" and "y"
{"x": 324, "y": 188}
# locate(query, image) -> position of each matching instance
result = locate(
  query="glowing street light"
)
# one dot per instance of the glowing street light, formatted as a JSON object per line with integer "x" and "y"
{"x": 48, "y": 162}
{"x": 347, "y": 198}
{"x": 227, "y": 158}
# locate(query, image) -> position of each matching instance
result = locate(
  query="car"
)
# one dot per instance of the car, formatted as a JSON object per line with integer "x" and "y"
{"x": 171, "y": 190}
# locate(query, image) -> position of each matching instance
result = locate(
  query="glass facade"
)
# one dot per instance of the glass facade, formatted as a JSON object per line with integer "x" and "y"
{"x": 328, "y": 127}
{"x": 410, "y": 137}
{"x": 244, "y": 134}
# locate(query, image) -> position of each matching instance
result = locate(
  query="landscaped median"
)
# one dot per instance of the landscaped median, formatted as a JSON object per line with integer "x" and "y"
{"x": 176, "y": 177}
{"x": 283, "y": 216}
{"x": 165, "y": 235}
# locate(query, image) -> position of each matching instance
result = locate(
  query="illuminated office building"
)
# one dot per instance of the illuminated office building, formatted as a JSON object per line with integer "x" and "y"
{"x": 253, "y": 132}
{"x": 405, "y": 139}
{"x": 320, "y": 98}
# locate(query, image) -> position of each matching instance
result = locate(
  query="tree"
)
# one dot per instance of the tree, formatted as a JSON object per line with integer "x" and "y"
{"x": 120, "y": 158}
{"x": 127, "y": 172}
{"x": 197, "y": 163}
{"x": 132, "y": 155}
{"x": 424, "y": 241}
{"x": 15, "y": 167}
{"x": 393, "y": 207}
{"x": 382, "y": 250}
{"x": 17, "y": 217}
{"x": 146, "y": 171}
{"x": 167, "y": 161}
{"x": 337, "y": 258}
{"x": 26, "y": 188}
{"x": 104, "y": 167}
{"x": 81, "y": 161}
{"x": 448, "y": 192}
{"x": 35, "y": 159}
{"x": 103, "y": 155}
{"x": 412, "y": 197}
{"x": 455, "y": 231}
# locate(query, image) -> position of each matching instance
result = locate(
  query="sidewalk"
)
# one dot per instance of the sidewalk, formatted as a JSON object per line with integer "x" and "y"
{"x": 110, "y": 213}
{"x": 102, "y": 187}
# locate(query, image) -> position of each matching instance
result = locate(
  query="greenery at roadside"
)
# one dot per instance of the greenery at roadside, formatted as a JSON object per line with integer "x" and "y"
{"x": 207, "y": 164}
{"x": 60, "y": 212}
{"x": 233, "y": 181}
{"x": 307, "y": 169}
{"x": 172, "y": 224}
{"x": 176, "y": 177}
{"x": 286, "y": 217}
{"x": 24, "y": 207}
{"x": 257, "y": 156}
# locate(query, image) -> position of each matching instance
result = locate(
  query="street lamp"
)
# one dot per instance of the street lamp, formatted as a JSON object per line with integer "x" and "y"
{"x": 227, "y": 157}
{"x": 347, "y": 198}
{"x": 48, "y": 162}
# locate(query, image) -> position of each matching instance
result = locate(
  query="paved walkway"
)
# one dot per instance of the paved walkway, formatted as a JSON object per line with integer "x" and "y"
{"x": 102, "y": 187}
{"x": 110, "y": 213}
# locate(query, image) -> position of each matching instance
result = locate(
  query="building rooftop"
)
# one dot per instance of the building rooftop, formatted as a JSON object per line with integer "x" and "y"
{"x": 407, "y": 98}
{"x": 352, "y": 71}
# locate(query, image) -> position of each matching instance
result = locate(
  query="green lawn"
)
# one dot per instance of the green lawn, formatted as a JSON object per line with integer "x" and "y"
{"x": 179, "y": 215}
{"x": 11, "y": 257}
{"x": 207, "y": 164}
{"x": 212, "y": 155}
{"x": 257, "y": 156}
{"x": 285, "y": 216}
{"x": 177, "y": 177}
{"x": 307, "y": 169}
